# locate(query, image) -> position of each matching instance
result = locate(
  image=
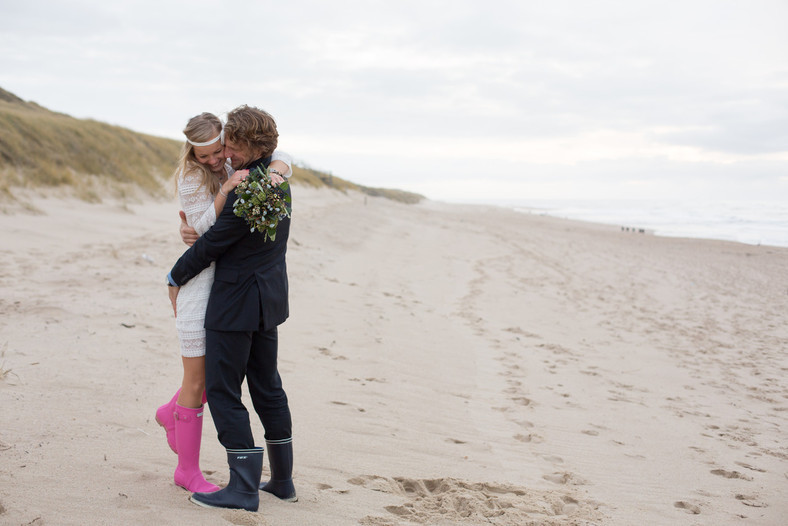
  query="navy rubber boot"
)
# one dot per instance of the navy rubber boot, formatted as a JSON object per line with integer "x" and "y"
{"x": 280, "y": 457}
{"x": 246, "y": 468}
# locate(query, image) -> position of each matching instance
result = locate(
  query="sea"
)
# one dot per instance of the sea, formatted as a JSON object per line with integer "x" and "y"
{"x": 749, "y": 222}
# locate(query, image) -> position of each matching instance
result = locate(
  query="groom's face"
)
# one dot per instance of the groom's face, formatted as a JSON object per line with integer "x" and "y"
{"x": 240, "y": 156}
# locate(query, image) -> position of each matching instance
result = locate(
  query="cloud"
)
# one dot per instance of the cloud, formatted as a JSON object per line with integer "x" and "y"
{"x": 447, "y": 89}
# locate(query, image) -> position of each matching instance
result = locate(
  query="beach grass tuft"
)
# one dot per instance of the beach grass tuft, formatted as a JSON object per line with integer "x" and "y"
{"x": 3, "y": 371}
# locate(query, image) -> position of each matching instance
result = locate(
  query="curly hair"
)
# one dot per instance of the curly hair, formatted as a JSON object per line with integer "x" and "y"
{"x": 253, "y": 128}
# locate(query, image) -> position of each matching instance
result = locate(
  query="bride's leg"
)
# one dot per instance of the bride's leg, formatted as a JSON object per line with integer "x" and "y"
{"x": 193, "y": 387}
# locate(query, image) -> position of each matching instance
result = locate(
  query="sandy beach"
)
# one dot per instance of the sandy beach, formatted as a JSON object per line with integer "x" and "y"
{"x": 445, "y": 364}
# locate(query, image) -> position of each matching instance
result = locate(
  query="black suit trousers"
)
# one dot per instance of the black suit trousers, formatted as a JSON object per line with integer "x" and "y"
{"x": 230, "y": 357}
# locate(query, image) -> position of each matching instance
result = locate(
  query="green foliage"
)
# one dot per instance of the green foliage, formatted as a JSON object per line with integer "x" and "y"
{"x": 261, "y": 203}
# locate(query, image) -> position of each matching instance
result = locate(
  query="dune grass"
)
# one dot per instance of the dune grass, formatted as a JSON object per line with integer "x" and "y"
{"x": 40, "y": 148}
{"x": 315, "y": 178}
{"x": 44, "y": 150}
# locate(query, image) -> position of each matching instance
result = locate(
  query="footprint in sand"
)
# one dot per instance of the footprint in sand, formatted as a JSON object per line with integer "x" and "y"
{"x": 570, "y": 505}
{"x": 753, "y": 468}
{"x": 565, "y": 478}
{"x": 531, "y": 437}
{"x": 524, "y": 423}
{"x": 730, "y": 474}
{"x": 558, "y": 478}
{"x": 244, "y": 518}
{"x": 359, "y": 409}
{"x": 688, "y": 507}
{"x": 453, "y": 501}
{"x": 325, "y": 487}
{"x": 521, "y": 332}
{"x": 751, "y": 500}
{"x": 521, "y": 400}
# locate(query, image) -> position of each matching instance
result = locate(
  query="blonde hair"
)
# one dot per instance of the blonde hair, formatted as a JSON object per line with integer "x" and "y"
{"x": 201, "y": 128}
{"x": 253, "y": 128}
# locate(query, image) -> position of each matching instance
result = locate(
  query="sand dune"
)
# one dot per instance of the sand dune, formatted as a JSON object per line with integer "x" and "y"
{"x": 445, "y": 364}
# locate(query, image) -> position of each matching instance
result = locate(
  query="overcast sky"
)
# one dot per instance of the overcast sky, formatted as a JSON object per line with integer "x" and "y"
{"x": 455, "y": 99}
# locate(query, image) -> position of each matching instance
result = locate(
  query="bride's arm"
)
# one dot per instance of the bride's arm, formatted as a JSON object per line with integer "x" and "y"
{"x": 281, "y": 164}
{"x": 201, "y": 223}
{"x": 224, "y": 191}
{"x": 197, "y": 204}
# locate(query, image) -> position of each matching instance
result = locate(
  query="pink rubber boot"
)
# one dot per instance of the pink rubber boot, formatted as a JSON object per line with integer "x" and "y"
{"x": 188, "y": 435}
{"x": 165, "y": 418}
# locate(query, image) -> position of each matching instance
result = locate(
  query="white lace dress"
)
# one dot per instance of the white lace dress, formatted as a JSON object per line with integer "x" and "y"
{"x": 197, "y": 204}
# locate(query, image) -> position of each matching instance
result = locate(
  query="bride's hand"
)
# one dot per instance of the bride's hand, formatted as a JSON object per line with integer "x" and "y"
{"x": 277, "y": 179}
{"x": 173, "y": 292}
{"x": 234, "y": 180}
{"x": 237, "y": 177}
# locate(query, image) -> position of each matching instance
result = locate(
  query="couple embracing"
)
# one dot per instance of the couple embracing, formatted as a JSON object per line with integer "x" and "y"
{"x": 229, "y": 291}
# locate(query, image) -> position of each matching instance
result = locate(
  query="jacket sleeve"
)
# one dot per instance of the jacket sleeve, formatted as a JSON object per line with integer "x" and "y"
{"x": 227, "y": 231}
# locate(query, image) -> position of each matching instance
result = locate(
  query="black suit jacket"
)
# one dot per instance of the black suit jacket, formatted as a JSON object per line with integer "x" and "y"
{"x": 250, "y": 285}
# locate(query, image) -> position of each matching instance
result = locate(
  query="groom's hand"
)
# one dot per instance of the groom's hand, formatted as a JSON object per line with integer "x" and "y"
{"x": 188, "y": 234}
{"x": 173, "y": 297}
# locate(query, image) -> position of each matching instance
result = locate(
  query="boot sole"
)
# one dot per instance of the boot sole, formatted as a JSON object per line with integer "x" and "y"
{"x": 204, "y": 505}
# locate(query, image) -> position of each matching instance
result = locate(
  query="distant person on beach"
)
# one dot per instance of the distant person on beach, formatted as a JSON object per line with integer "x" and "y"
{"x": 204, "y": 180}
{"x": 247, "y": 302}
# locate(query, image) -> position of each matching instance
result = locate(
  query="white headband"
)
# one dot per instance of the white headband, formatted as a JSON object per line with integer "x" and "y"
{"x": 219, "y": 137}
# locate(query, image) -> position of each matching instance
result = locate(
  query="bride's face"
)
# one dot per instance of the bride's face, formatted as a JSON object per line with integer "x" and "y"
{"x": 211, "y": 156}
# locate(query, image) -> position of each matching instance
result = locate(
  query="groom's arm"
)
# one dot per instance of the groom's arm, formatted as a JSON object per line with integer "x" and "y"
{"x": 227, "y": 230}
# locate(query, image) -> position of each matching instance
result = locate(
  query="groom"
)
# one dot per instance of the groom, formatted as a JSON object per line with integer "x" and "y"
{"x": 247, "y": 303}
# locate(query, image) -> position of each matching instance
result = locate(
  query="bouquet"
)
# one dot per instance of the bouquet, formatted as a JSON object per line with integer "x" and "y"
{"x": 261, "y": 203}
